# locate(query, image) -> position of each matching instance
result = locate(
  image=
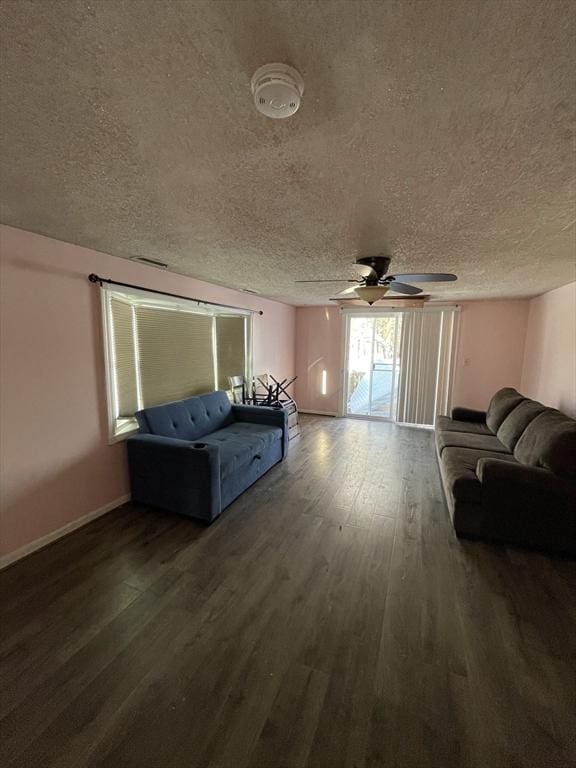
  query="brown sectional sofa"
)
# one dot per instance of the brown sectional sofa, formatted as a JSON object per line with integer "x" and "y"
{"x": 509, "y": 473}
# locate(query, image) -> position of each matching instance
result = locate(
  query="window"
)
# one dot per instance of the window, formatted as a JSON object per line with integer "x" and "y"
{"x": 158, "y": 350}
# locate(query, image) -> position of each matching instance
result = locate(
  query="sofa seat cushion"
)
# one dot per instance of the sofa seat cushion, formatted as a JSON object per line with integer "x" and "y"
{"x": 446, "y": 424}
{"x": 511, "y": 429}
{"x": 458, "y": 468}
{"x": 241, "y": 443}
{"x": 503, "y": 402}
{"x": 549, "y": 441}
{"x": 473, "y": 440}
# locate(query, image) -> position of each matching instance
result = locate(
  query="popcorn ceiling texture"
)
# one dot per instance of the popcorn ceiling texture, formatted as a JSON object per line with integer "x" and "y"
{"x": 439, "y": 132}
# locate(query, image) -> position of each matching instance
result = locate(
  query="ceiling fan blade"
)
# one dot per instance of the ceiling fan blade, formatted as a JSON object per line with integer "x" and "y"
{"x": 427, "y": 277}
{"x": 347, "y": 291}
{"x": 397, "y": 287}
{"x": 326, "y": 281}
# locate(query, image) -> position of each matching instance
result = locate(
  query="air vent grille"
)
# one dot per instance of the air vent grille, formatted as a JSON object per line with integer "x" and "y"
{"x": 151, "y": 262}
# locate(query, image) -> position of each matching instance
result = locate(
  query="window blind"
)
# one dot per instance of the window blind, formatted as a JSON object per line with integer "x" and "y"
{"x": 159, "y": 351}
{"x": 425, "y": 366}
{"x": 231, "y": 348}
{"x": 124, "y": 357}
{"x": 175, "y": 354}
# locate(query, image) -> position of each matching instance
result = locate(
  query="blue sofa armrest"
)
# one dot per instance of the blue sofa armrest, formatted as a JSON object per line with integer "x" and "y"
{"x": 263, "y": 414}
{"x": 177, "y": 475}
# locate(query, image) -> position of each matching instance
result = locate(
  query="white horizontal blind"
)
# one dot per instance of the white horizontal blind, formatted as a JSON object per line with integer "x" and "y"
{"x": 160, "y": 350}
{"x": 124, "y": 357}
{"x": 175, "y": 354}
{"x": 230, "y": 348}
{"x": 425, "y": 365}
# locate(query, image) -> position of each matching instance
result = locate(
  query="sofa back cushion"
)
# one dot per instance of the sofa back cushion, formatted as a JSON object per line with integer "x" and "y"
{"x": 500, "y": 406}
{"x": 515, "y": 423}
{"x": 549, "y": 441}
{"x": 188, "y": 419}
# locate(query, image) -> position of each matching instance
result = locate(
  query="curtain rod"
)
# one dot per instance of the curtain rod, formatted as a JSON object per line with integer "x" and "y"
{"x": 100, "y": 280}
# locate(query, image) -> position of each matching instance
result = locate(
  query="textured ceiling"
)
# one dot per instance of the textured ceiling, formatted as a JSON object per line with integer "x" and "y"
{"x": 438, "y": 132}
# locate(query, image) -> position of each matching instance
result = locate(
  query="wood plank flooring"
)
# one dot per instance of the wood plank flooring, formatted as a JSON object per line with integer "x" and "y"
{"x": 329, "y": 619}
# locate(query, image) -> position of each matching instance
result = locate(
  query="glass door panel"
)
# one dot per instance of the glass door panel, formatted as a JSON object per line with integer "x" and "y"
{"x": 359, "y": 369}
{"x": 385, "y": 364}
{"x": 372, "y": 365}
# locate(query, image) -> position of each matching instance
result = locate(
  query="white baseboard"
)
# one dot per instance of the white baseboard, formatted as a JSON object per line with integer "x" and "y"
{"x": 33, "y": 546}
{"x": 317, "y": 413}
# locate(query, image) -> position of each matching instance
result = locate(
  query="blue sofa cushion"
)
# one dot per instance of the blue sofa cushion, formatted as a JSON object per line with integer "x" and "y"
{"x": 241, "y": 443}
{"x": 188, "y": 419}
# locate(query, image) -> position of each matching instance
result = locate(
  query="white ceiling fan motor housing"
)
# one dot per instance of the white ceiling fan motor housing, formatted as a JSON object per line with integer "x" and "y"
{"x": 277, "y": 90}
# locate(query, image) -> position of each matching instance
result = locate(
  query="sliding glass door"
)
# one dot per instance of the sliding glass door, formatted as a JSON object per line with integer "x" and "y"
{"x": 399, "y": 364}
{"x": 372, "y": 366}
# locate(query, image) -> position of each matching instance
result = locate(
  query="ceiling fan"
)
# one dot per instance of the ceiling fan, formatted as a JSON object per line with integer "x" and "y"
{"x": 374, "y": 282}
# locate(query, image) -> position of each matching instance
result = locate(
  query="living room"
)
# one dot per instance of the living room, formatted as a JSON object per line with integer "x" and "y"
{"x": 361, "y": 554}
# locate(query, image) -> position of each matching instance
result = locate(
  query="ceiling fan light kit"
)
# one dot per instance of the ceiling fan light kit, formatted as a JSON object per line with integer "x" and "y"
{"x": 371, "y": 293}
{"x": 277, "y": 90}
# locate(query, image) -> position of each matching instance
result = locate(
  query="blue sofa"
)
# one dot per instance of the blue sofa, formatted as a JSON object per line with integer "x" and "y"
{"x": 196, "y": 456}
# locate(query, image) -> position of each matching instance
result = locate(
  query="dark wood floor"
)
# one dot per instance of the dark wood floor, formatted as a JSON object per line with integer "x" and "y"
{"x": 329, "y": 618}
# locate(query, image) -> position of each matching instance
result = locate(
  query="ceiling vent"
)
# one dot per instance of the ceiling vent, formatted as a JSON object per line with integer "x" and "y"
{"x": 150, "y": 262}
{"x": 277, "y": 90}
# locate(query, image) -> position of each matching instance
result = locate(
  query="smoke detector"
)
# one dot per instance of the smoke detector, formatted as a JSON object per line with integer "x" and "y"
{"x": 277, "y": 90}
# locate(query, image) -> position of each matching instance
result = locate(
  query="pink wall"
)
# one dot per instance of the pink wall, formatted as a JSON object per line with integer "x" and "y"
{"x": 56, "y": 463}
{"x": 522, "y": 343}
{"x": 488, "y": 356}
{"x": 318, "y": 348}
{"x": 549, "y": 370}
{"x": 490, "y": 350}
